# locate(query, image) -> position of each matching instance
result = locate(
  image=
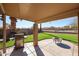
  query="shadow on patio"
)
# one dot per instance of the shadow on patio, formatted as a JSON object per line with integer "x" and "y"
{"x": 18, "y": 52}
{"x": 38, "y": 51}
{"x": 62, "y": 45}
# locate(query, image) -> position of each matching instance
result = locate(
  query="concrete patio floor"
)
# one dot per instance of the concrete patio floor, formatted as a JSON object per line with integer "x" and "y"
{"x": 45, "y": 48}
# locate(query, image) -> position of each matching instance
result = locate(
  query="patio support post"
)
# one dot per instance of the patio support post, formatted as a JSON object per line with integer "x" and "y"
{"x": 35, "y": 34}
{"x": 4, "y": 33}
{"x": 78, "y": 33}
{"x": 13, "y": 23}
{"x": 40, "y": 27}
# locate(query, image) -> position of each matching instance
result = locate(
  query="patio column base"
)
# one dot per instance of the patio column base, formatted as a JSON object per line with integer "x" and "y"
{"x": 35, "y": 44}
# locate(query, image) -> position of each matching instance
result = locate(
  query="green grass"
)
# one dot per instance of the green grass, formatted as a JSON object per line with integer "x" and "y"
{"x": 8, "y": 44}
{"x": 70, "y": 37}
{"x": 41, "y": 36}
{"x": 1, "y": 44}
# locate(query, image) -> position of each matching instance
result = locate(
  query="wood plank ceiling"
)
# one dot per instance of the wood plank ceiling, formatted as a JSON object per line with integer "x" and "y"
{"x": 40, "y": 12}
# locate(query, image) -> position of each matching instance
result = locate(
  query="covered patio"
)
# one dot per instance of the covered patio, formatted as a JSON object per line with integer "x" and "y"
{"x": 45, "y": 48}
{"x": 37, "y": 13}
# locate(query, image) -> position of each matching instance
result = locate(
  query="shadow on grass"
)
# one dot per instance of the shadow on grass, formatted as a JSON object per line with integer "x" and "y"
{"x": 63, "y": 45}
{"x": 18, "y": 52}
{"x": 38, "y": 51}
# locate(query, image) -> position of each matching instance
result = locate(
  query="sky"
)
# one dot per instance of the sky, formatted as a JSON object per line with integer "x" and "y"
{"x": 60, "y": 22}
{"x": 28, "y": 24}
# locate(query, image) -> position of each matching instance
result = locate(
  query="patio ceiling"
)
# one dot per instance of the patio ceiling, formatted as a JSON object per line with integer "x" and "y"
{"x": 38, "y": 12}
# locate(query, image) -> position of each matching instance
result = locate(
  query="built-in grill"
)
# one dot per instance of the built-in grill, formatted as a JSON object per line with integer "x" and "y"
{"x": 19, "y": 40}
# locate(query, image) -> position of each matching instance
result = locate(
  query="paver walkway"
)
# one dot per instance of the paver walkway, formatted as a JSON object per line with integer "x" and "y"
{"x": 45, "y": 48}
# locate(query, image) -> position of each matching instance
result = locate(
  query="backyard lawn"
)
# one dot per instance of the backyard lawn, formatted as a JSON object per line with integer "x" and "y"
{"x": 70, "y": 37}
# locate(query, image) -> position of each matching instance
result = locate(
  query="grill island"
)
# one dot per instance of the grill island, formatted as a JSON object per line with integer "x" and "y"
{"x": 19, "y": 40}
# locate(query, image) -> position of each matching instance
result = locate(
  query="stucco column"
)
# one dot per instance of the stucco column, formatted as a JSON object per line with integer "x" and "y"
{"x": 35, "y": 34}
{"x": 13, "y": 23}
{"x": 4, "y": 33}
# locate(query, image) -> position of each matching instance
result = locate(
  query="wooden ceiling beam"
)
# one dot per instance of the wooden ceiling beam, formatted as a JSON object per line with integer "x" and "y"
{"x": 2, "y": 11}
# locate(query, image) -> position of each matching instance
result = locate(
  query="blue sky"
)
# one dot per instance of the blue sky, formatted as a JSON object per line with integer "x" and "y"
{"x": 28, "y": 24}
{"x": 60, "y": 22}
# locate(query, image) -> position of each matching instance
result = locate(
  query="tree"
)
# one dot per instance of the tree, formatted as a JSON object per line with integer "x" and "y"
{"x": 74, "y": 24}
